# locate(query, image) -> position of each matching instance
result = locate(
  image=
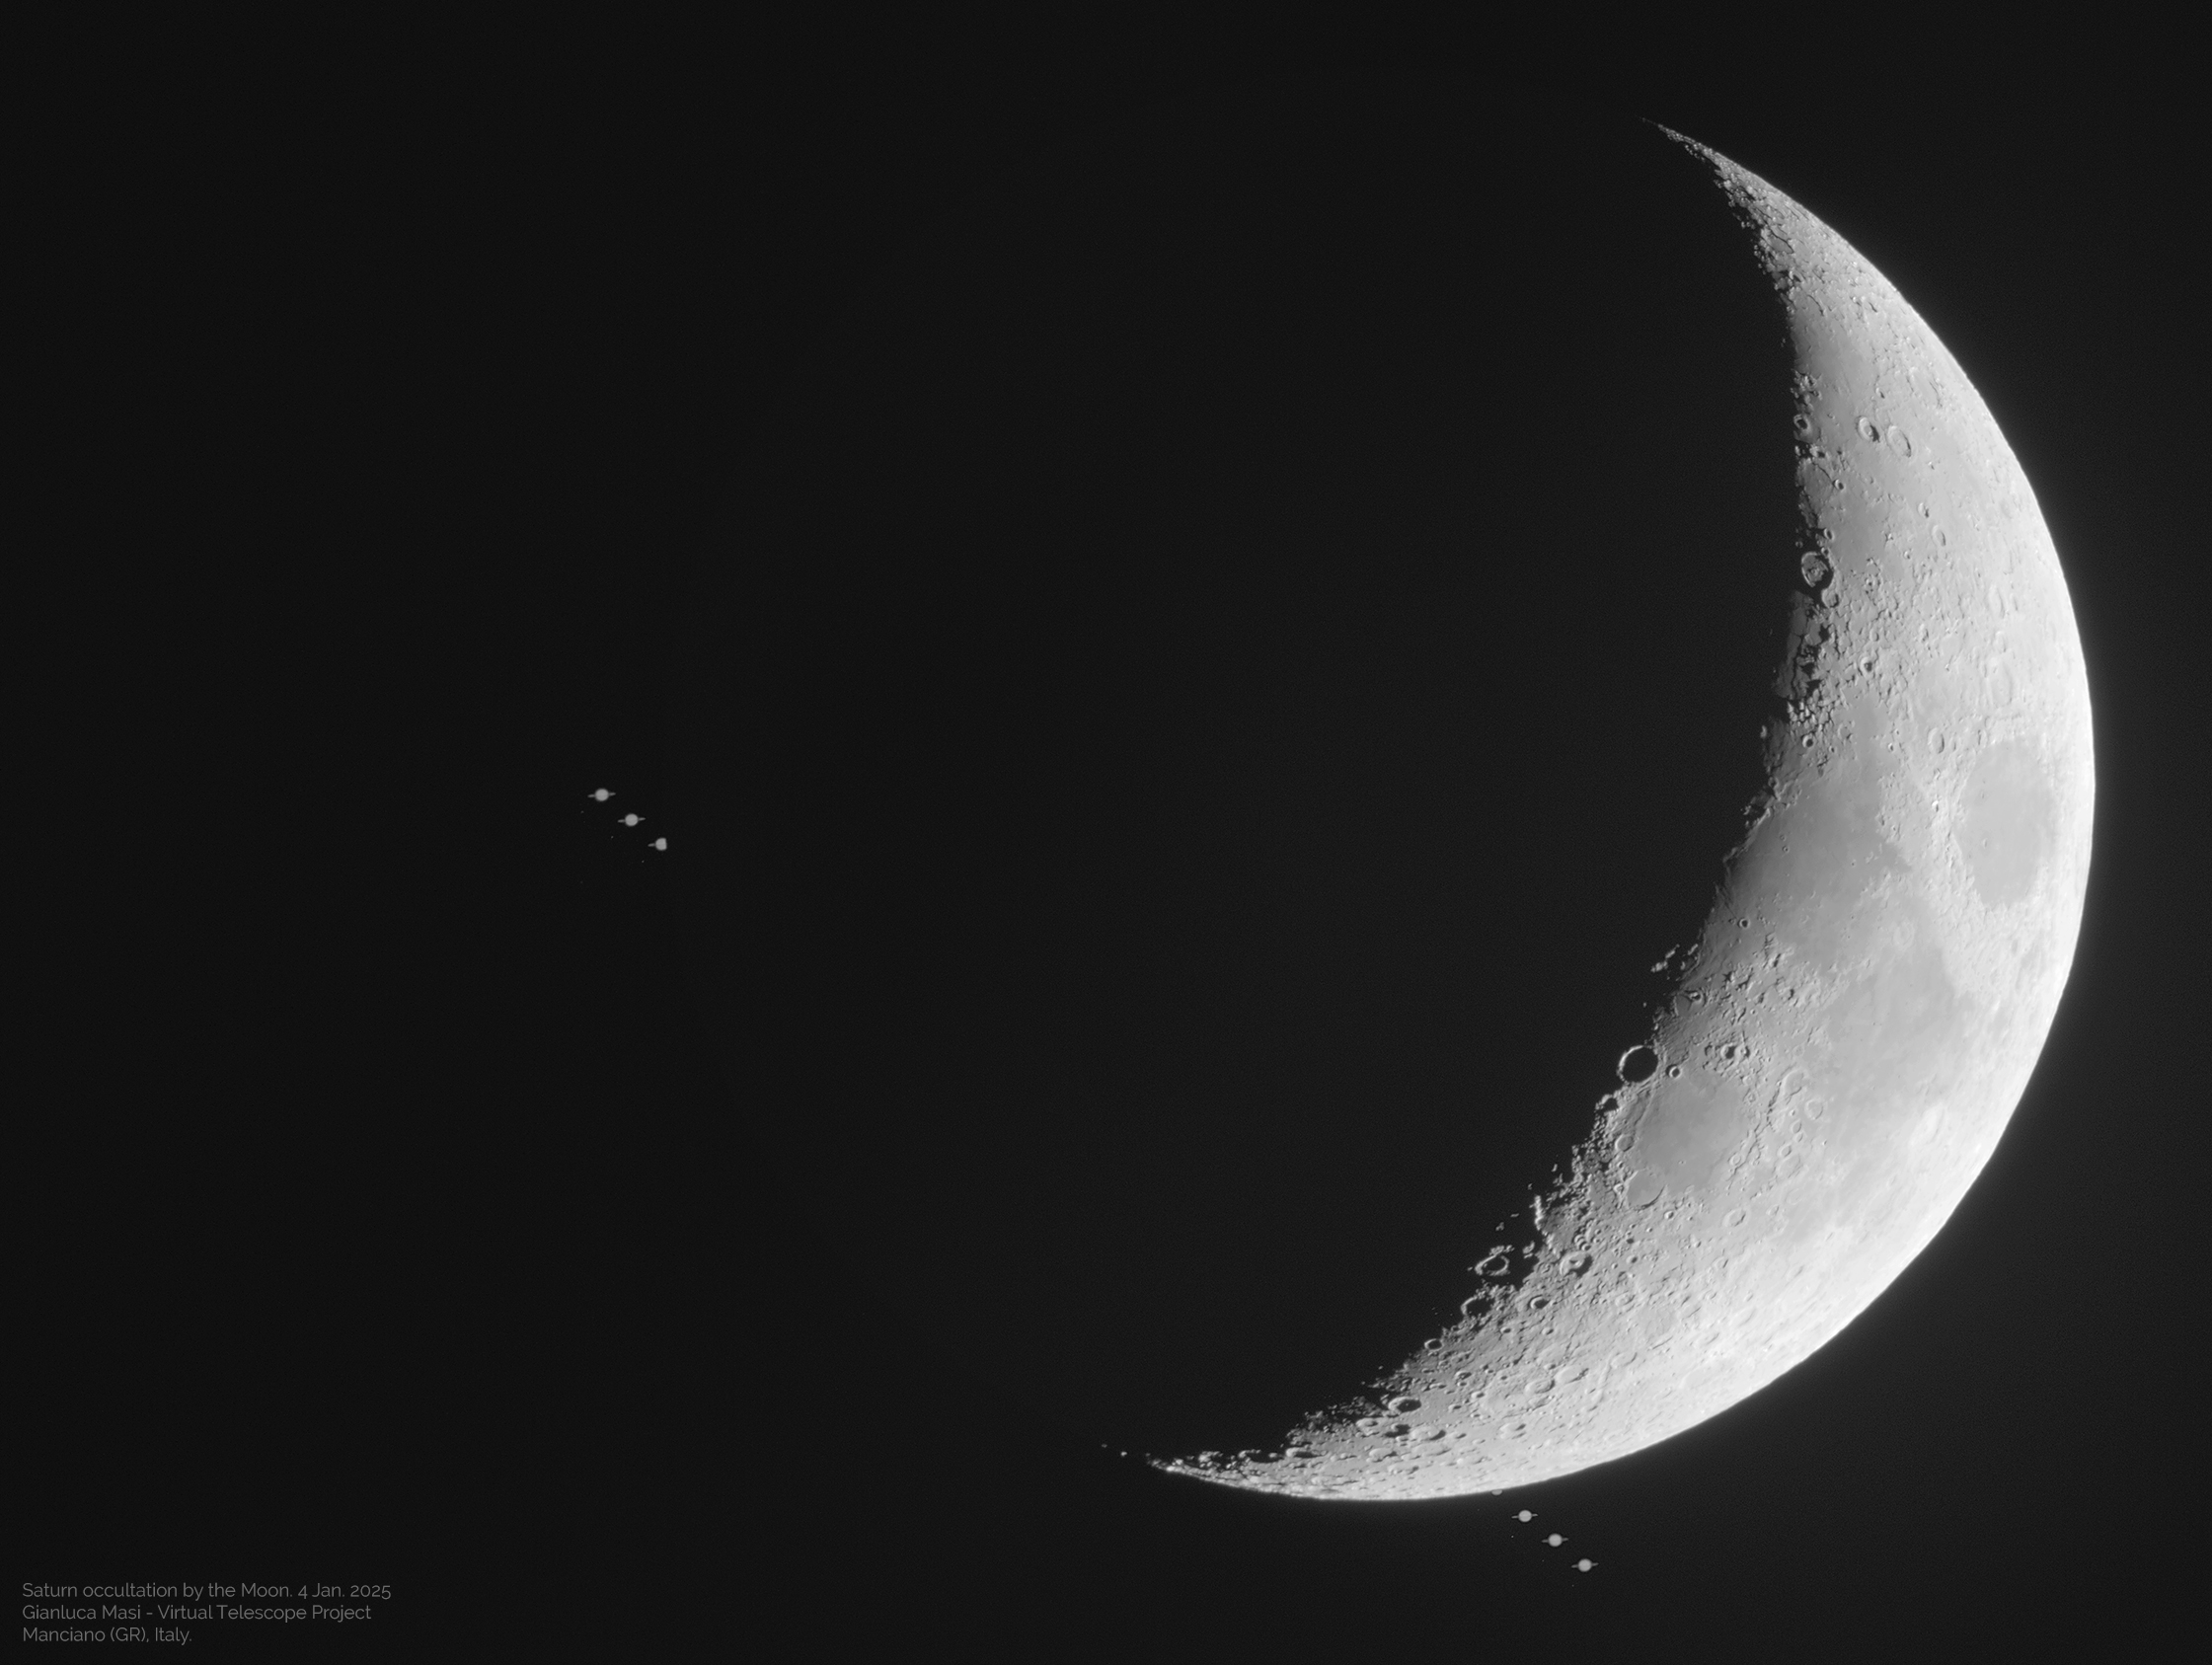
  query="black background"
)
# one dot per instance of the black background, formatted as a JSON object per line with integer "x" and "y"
{"x": 387, "y": 1217}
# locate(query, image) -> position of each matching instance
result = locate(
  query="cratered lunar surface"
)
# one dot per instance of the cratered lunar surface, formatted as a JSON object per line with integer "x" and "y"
{"x": 1386, "y": 796}
{"x": 1862, "y": 1011}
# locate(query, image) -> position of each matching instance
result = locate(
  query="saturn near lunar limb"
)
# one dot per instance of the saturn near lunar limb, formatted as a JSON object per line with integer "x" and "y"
{"x": 1394, "y": 796}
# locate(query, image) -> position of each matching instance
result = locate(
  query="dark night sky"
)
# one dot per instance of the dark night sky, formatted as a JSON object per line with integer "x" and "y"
{"x": 411, "y": 1230}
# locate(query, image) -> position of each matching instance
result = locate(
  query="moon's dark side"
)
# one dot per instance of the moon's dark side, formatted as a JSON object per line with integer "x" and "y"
{"x": 1254, "y": 646}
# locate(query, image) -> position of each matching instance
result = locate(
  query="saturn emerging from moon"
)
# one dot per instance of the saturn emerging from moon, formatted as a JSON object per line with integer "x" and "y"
{"x": 1390, "y": 794}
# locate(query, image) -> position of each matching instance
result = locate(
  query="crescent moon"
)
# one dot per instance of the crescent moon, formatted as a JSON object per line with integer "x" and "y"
{"x": 1860, "y": 1016}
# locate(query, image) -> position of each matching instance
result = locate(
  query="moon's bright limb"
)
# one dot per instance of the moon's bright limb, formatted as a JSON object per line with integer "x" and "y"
{"x": 1861, "y": 1013}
